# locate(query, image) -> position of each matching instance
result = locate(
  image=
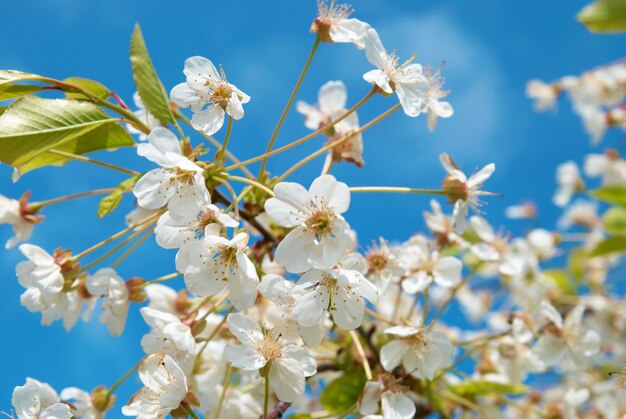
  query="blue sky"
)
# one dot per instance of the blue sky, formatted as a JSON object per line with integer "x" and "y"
{"x": 491, "y": 49}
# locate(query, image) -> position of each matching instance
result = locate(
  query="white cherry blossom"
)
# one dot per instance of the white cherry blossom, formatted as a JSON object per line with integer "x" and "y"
{"x": 12, "y": 212}
{"x": 144, "y": 116}
{"x": 205, "y": 86}
{"x": 169, "y": 336}
{"x": 165, "y": 387}
{"x": 215, "y": 263}
{"x": 393, "y": 397}
{"x": 82, "y": 405}
{"x": 569, "y": 182}
{"x": 407, "y": 80}
{"x": 37, "y": 400}
{"x": 610, "y": 166}
{"x": 289, "y": 364}
{"x": 334, "y": 24}
{"x": 566, "y": 342}
{"x": 174, "y": 232}
{"x": 321, "y": 234}
{"x": 340, "y": 292}
{"x": 424, "y": 267}
{"x": 421, "y": 353}
{"x": 464, "y": 192}
{"x": 179, "y": 182}
{"x": 106, "y": 283}
{"x": 436, "y": 107}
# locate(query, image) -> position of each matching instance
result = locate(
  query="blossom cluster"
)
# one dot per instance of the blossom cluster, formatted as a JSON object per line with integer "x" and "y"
{"x": 274, "y": 306}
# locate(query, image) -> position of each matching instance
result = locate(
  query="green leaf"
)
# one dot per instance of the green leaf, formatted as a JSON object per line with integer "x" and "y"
{"x": 612, "y": 194}
{"x": 110, "y": 202}
{"x": 576, "y": 263}
{"x": 614, "y": 220}
{"x": 561, "y": 280}
{"x": 148, "y": 84}
{"x": 342, "y": 393}
{"x": 11, "y": 76}
{"x": 2, "y": 109}
{"x": 11, "y": 91}
{"x": 604, "y": 16}
{"x": 31, "y": 126}
{"x": 615, "y": 244}
{"x": 90, "y": 86}
{"x": 482, "y": 388}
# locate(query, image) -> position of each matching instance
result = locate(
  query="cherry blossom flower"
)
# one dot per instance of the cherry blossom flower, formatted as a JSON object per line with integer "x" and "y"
{"x": 335, "y": 25}
{"x": 179, "y": 182}
{"x": 281, "y": 292}
{"x": 442, "y": 226}
{"x": 492, "y": 246}
{"x": 407, "y": 80}
{"x": 435, "y": 106}
{"x": 525, "y": 210}
{"x": 393, "y": 397}
{"x": 215, "y": 263}
{"x": 165, "y": 387}
{"x": 169, "y": 336}
{"x": 289, "y": 364}
{"x": 463, "y": 192}
{"x": 610, "y": 166}
{"x": 38, "y": 400}
{"x": 332, "y": 98}
{"x": 15, "y": 212}
{"x": 106, "y": 283}
{"x": 383, "y": 265}
{"x": 566, "y": 342}
{"x": 340, "y": 292}
{"x": 41, "y": 276}
{"x": 545, "y": 95}
{"x": 144, "y": 116}
{"x": 569, "y": 182}
{"x": 82, "y": 405}
{"x": 425, "y": 267}
{"x": 206, "y": 86}
{"x": 175, "y": 232}
{"x": 421, "y": 353}
{"x": 320, "y": 235}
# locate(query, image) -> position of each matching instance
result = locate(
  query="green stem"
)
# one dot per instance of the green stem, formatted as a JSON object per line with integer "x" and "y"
{"x": 220, "y": 153}
{"x": 115, "y": 236}
{"x": 339, "y": 141}
{"x": 281, "y": 120}
{"x": 125, "y": 377}
{"x": 116, "y": 248}
{"x": 394, "y": 189}
{"x": 123, "y": 256}
{"x": 252, "y": 183}
{"x": 224, "y": 388}
{"x": 163, "y": 278}
{"x": 266, "y": 401}
{"x": 189, "y": 410}
{"x": 92, "y": 161}
{"x": 36, "y": 206}
{"x": 306, "y": 137}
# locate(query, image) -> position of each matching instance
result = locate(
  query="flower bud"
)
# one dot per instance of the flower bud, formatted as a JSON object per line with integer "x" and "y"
{"x": 136, "y": 291}
{"x": 101, "y": 399}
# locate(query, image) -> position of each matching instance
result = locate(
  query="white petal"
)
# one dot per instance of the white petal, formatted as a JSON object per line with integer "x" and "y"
{"x": 332, "y": 97}
{"x": 244, "y": 357}
{"x": 327, "y": 192}
{"x": 153, "y": 190}
{"x": 200, "y": 67}
{"x": 287, "y": 379}
{"x": 380, "y": 79}
{"x": 245, "y": 329}
{"x": 397, "y": 406}
{"x": 448, "y": 271}
{"x": 295, "y": 249}
{"x": 209, "y": 120}
{"x": 290, "y": 206}
{"x": 483, "y": 174}
{"x": 392, "y": 353}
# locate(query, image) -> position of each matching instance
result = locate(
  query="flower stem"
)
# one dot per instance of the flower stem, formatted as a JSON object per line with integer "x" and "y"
{"x": 252, "y": 183}
{"x": 92, "y": 161}
{"x": 306, "y": 137}
{"x": 266, "y": 401}
{"x": 115, "y": 236}
{"x": 328, "y": 164}
{"x": 361, "y": 352}
{"x": 125, "y": 377}
{"x": 215, "y": 331}
{"x": 116, "y": 248}
{"x": 339, "y": 141}
{"x": 134, "y": 247}
{"x": 163, "y": 278}
{"x": 281, "y": 120}
{"x": 38, "y": 205}
{"x": 395, "y": 189}
{"x": 224, "y": 388}
{"x": 219, "y": 156}
{"x": 426, "y": 294}
{"x": 189, "y": 410}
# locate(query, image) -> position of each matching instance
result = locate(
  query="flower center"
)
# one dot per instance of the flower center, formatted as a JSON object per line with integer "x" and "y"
{"x": 377, "y": 261}
{"x": 221, "y": 94}
{"x": 270, "y": 347}
{"x": 320, "y": 223}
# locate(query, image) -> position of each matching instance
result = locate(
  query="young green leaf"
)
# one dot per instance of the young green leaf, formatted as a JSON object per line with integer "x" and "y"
{"x": 12, "y": 91}
{"x": 11, "y": 76}
{"x": 90, "y": 86}
{"x": 31, "y": 126}
{"x": 612, "y": 194}
{"x": 342, "y": 393}
{"x": 615, "y": 244}
{"x": 483, "y": 388}
{"x": 148, "y": 84}
{"x": 110, "y": 202}
{"x": 614, "y": 220}
{"x": 604, "y": 16}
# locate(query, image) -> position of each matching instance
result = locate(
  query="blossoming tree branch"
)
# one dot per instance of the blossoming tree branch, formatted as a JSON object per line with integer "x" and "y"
{"x": 272, "y": 307}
